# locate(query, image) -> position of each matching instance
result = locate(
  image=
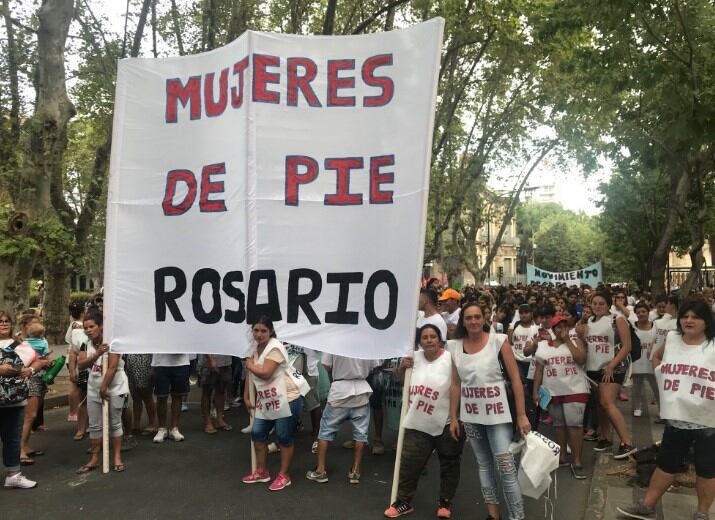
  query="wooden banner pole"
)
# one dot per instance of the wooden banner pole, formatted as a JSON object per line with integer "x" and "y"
{"x": 401, "y": 433}
{"x": 105, "y": 422}
{"x": 252, "y": 397}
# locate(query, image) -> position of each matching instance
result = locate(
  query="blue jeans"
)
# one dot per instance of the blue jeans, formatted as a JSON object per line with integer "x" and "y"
{"x": 490, "y": 444}
{"x": 11, "y": 419}
{"x": 285, "y": 427}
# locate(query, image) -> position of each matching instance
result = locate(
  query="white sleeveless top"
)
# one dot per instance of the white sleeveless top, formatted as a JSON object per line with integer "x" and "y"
{"x": 271, "y": 394}
{"x": 600, "y": 342}
{"x": 118, "y": 386}
{"x": 647, "y": 337}
{"x": 562, "y": 375}
{"x": 429, "y": 393}
{"x": 519, "y": 338}
{"x": 483, "y": 396}
{"x": 686, "y": 381}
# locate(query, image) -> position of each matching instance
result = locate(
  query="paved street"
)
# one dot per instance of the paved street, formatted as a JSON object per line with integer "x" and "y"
{"x": 200, "y": 478}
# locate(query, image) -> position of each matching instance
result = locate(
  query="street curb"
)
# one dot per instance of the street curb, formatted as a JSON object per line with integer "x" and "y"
{"x": 56, "y": 400}
{"x": 598, "y": 492}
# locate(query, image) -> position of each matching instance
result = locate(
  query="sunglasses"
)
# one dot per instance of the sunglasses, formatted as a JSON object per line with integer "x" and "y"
{"x": 5, "y": 322}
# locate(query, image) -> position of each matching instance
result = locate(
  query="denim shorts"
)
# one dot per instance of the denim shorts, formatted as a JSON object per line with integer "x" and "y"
{"x": 285, "y": 427}
{"x": 171, "y": 380}
{"x": 333, "y": 417}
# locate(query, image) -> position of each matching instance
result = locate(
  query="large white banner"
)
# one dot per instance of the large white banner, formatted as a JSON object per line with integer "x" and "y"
{"x": 280, "y": 175}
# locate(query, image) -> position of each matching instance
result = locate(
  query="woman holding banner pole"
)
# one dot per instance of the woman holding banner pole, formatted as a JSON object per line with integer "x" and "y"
{"x": 277, "y": 404}
{"x": 428, "y": 425}
{"x": 111, "y": 386}
{"x": 478, "y": 357}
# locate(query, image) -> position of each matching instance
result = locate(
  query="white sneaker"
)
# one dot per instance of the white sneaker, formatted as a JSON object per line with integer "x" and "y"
{"x": 247, "y": 429}
{"x": 273, "y": 448}
{"x": 213, "y": 413}
{"x": 314, "y": 447}
{"x": 18, "y": 480}
{"x": 226, "y": 407}
{"x": 161, "y": 434}
{"x": 175, "y": 434}
{"x": 637, "y": 412}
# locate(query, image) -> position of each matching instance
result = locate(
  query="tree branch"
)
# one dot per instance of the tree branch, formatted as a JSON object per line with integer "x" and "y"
{"x": 384, "y": 9}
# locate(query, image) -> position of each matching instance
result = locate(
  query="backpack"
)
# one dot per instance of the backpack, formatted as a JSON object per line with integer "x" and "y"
{"x": 636, "y": 347}
{"x": 13, "y": 389}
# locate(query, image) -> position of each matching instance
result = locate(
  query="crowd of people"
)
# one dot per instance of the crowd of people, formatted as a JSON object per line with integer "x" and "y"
{"x": 488, "y": 366}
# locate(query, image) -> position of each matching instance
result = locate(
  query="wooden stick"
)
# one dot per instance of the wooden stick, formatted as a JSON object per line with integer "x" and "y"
{"x": 252, "y": 398}
{"x": 401, "y": 433}
{"x": 105, "y": 422}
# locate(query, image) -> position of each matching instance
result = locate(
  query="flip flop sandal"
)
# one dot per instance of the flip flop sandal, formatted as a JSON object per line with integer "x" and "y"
{"x": 118, "y": 468}
{"x": 35, "y": 453}
{"x": 27, "y": 461}
{"x": 225, "y": 428}
{"x": 210, "y": 431}
{"x": 86, "y": 469}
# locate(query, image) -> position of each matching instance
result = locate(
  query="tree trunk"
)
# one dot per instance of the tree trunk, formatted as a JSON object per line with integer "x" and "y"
{"x": 136, "y": 45}
{"x": 39, "y": 180}
{"x": 511, "y": 207}
{"x": 177, "y": 27}
{"x": 662, "y": 250}
{"x": 57, "y": 297}
{"x": 239, "y": 19}
{"x": 329, "y": 22}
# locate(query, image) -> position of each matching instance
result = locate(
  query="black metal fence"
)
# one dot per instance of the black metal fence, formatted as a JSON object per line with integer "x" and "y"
{"x": 675, "y": 277}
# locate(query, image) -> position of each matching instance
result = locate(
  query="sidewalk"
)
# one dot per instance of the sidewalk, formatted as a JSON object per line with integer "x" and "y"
{"x": 609, "y": 490}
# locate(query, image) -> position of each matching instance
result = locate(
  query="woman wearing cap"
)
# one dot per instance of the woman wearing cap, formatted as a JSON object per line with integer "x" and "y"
{"x": 558, "y": 370}
{"x": 484, "y": 408}
{"x": 607, "y": 369}
{"x": 686, "y": 397}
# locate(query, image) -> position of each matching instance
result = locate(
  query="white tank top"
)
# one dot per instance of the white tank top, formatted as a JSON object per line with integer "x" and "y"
{"x": 686, "y": 381}
{"x": 562, "y": 375}
{"x": 271, "y": 394}
{"x": 118, "y": 386}
{"x": 429, "y": 394}
{"x": 519, "y": 338}
{"x": 600, "y": 342}
{"x": 483, "y": 395}
{"x": 647, "y": 337}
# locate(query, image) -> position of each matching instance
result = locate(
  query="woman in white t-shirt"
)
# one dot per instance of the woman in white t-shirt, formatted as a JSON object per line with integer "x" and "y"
{"x": 278, "y": 403}
{"x": 686, "y": 382}
{"x": 112, "y": 386}
{"x": 478, "y": 355}
{"x": 428, "y": 425}
{"x": 558, "y": 370}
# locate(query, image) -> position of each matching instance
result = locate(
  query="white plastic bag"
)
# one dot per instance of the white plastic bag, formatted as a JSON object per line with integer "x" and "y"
{"x": 539, "y": 458}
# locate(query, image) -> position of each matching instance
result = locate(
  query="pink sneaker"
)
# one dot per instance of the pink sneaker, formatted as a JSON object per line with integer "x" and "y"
{"x": 281, "y": 481}
{"x": 256, "y": 476}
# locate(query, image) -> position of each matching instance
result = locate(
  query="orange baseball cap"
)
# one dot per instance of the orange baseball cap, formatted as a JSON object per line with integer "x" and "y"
{"x": 450, "y": 294}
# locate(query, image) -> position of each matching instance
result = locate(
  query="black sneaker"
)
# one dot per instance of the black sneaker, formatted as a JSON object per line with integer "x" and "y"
{"x": 624, "y": 450}
{"x": 603, "y": 445}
